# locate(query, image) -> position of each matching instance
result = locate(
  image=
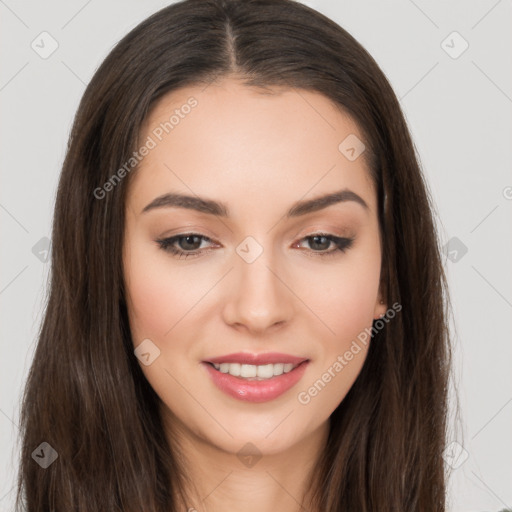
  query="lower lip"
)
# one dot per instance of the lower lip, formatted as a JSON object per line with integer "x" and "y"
{"x": 256, "y": 390}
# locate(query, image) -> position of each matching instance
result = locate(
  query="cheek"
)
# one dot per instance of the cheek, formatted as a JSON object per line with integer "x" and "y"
{"x": 346, "y": 306}
{"x": 151, "y": 304}
{"x": 341, "y": 353}
{"x": 346, "y": 302}
{"x": 157, "y": 294}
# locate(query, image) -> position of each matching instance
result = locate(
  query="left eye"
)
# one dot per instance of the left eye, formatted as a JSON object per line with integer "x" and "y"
{"x": 188, "y": 243}
{"x": 325, "y": 240}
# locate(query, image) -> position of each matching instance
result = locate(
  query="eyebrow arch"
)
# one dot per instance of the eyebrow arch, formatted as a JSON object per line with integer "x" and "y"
{"x": 211, "y": 207}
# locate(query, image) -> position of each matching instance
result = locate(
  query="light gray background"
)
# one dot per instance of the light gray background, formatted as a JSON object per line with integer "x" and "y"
{"x": 458, "y": 110}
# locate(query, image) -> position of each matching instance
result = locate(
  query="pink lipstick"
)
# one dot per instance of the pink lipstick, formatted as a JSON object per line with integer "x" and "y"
{"x": 255, "y": 377}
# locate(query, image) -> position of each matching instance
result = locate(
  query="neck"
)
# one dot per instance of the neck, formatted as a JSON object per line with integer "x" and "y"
{"x": 218, "y": 480}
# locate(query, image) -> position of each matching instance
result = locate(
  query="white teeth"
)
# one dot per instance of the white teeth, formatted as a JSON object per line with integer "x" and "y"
{"x": 254, "y": 372}
{"x": 234, "y": 369}
{"x": 265, "y": 371}
{"x": 278, "y": 369}
{"x": 248, "y": 370}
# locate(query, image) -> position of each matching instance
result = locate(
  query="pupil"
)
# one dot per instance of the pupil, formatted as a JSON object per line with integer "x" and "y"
{"x": 325, "y": 244}
{"x": 188, "y": 241}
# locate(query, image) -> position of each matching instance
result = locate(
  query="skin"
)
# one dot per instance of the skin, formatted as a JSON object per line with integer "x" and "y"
{"x": 259, "y": 153}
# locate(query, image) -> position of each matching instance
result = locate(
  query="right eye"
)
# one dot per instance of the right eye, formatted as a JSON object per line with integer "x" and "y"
{"x": 187, "y": 242}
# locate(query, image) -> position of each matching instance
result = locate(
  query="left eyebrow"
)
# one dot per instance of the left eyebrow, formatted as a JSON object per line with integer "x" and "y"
{"x": 220, "y": 209}
{"x": 319, "y": 203}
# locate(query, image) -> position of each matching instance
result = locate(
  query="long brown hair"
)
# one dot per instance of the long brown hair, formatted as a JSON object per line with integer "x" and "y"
{"x": 86, "y": 395}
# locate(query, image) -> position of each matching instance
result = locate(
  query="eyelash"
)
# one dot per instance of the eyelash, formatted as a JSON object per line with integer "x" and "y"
{"x": 167, "y": 244}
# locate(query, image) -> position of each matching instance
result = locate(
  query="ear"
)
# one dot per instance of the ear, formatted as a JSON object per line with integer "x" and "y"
{"x": 380, "y": 304}
{"x": 380, "y": 307}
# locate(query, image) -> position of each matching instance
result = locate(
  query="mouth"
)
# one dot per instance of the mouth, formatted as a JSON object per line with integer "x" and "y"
{"x": 254, "y": 372}
{"x": 256, "y": 366}
{"x": 256, "y": 377}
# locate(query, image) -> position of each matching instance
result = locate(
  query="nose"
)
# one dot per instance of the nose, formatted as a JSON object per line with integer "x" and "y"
{"x": 258, "y": 297}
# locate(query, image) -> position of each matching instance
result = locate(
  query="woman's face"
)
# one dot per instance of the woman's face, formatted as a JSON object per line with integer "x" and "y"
{"x": 255, "y": 292}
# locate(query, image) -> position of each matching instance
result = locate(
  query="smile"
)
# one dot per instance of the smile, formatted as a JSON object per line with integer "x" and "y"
{"x": 255, "y": 372}
{"x": 255, "y": 377}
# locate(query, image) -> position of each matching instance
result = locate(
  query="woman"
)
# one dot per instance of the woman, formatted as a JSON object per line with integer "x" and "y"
{"x": 247, "y": 307}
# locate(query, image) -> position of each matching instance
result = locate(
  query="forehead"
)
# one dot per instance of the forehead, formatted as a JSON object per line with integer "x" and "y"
{"x": 250, "y": 147}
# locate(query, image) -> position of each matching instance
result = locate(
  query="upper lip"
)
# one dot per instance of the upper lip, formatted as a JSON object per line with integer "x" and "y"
{"x": 257, "y": 359}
